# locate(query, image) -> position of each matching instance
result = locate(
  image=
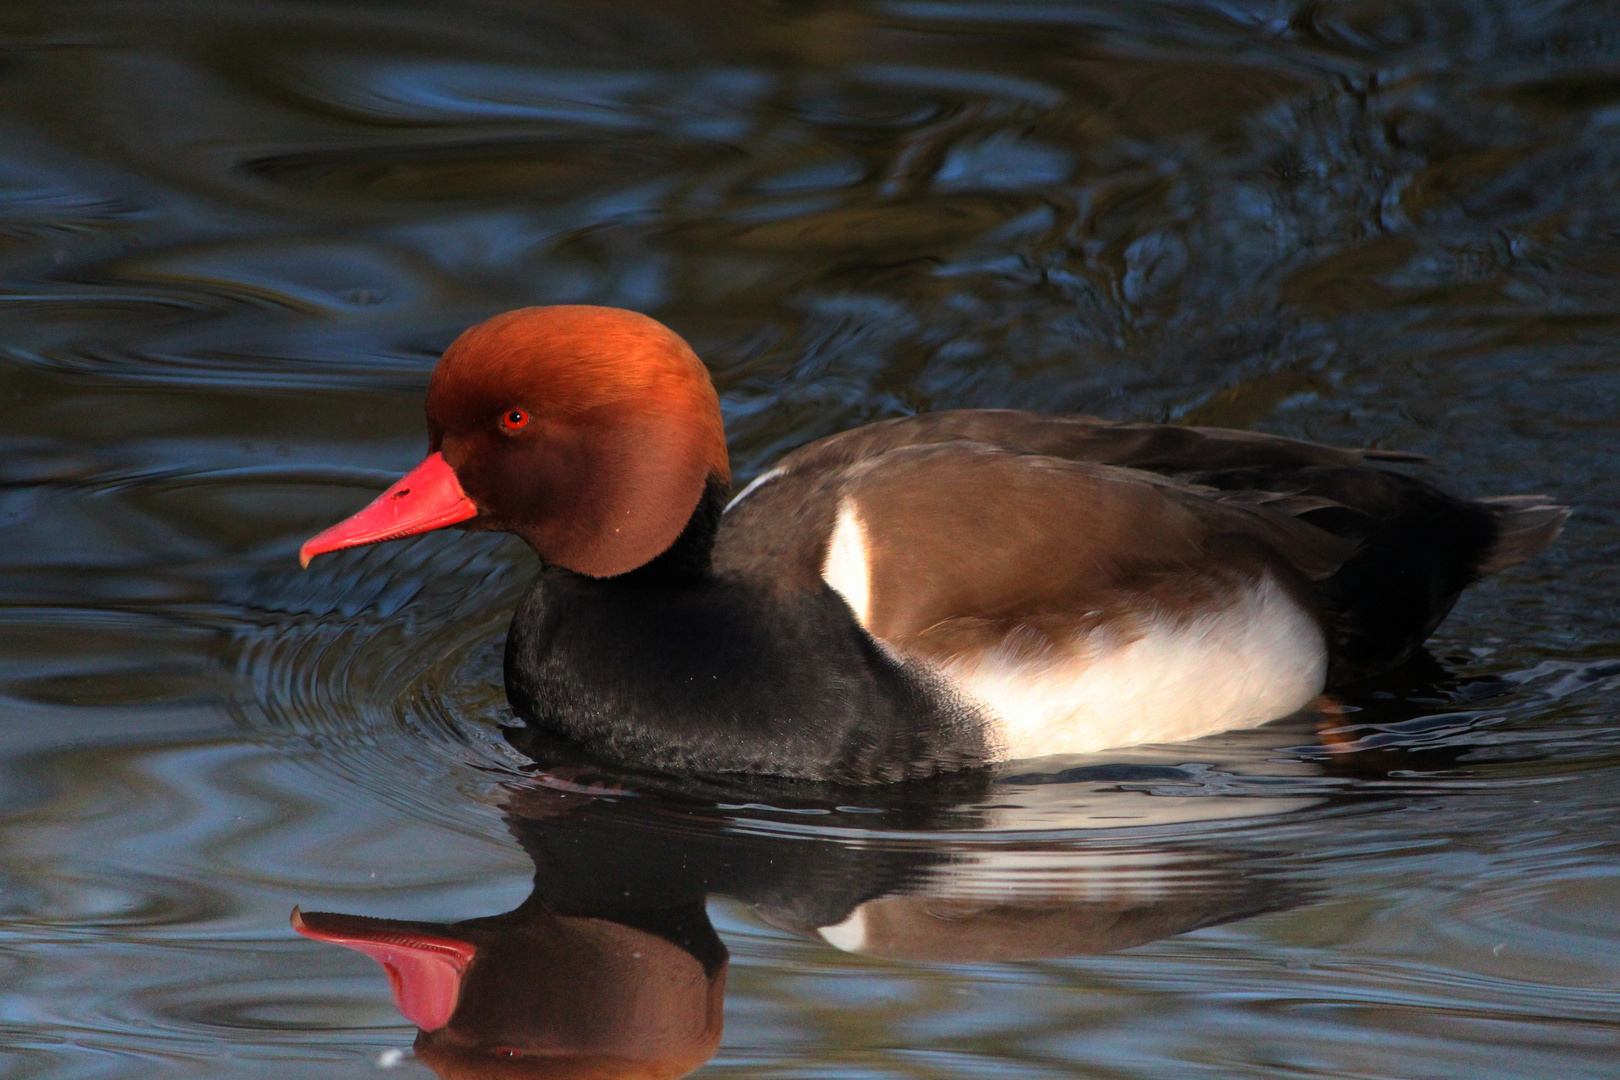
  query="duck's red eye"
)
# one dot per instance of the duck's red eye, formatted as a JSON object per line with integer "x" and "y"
{"x": 514, "y": 419}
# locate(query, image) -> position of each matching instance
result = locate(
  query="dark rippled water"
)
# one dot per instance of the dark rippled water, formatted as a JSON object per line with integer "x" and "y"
{"x": 234, "y": 237}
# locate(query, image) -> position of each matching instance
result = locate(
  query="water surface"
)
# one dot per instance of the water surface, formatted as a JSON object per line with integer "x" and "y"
{"x": 235, "y": 236}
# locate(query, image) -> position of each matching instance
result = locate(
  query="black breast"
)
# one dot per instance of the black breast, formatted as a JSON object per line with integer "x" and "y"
{"x": 711, "y": 675}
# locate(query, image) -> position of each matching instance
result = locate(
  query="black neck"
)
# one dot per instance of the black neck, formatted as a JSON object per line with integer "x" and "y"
{"x": 689, "y": 557}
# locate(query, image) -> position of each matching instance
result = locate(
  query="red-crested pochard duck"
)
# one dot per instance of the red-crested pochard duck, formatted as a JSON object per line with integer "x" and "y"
{"x": 921, "y": 594}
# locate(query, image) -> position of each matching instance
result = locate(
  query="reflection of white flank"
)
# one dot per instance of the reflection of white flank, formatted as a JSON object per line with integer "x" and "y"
{"x": 1019, "y": 904}
{"x": 1112, "y": 804}
{"x": 847, "y": 569}
{"x": 1258, "y": 659}
{"x": 1014, "y": 875}
{"x": 762, "y": 478}
{"x": 849, "y": 935}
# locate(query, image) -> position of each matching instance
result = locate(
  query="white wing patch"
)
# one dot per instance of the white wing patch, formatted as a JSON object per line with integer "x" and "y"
{"x": 1256, "y": 660}
{"x": 847, "y": 567}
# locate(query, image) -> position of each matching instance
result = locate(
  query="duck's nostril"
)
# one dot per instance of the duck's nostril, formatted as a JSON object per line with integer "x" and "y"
{"x": 401, "y": 493}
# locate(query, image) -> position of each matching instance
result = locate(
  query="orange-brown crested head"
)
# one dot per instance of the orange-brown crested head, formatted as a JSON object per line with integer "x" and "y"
{"x": 591, "y": 432}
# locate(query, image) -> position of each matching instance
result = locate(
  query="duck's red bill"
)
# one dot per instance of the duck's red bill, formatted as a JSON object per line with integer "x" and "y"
{"x": 424, "y": 969}
{"x": 426, "y": 498}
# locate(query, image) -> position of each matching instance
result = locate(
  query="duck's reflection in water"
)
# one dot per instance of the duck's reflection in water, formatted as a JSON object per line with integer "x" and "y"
{"x": 611, "y": 967}
{"x": 536, "y": 994}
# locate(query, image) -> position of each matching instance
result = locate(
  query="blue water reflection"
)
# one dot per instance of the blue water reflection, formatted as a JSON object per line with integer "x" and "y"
{"x": 234, "y": 237}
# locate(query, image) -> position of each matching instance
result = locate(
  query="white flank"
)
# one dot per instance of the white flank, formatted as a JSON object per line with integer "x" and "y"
{"x": 1261, "y": 658}
{"x": 847, "y": 569}
{"x": 762, "y": 478}
{"x": 849, "y": 935}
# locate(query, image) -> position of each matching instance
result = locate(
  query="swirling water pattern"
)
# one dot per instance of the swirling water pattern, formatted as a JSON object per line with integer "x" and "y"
{"x": 234, "y": 237}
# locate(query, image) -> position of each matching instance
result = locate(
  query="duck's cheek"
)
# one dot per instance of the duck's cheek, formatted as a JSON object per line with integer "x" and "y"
{"x": 497, "y": 475}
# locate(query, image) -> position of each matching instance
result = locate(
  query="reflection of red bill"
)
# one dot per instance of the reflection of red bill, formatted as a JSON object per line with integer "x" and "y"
{"x": 428, "y": 497}
{"x": 424, "y": 969}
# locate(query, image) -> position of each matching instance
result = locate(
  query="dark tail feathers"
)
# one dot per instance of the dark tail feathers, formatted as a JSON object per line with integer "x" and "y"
{"x": 1525, "y": 525}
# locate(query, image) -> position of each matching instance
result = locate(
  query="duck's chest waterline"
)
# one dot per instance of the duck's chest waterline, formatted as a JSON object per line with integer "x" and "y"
{"x": 724, "y": 678}
{"x": 726, "y": 682}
